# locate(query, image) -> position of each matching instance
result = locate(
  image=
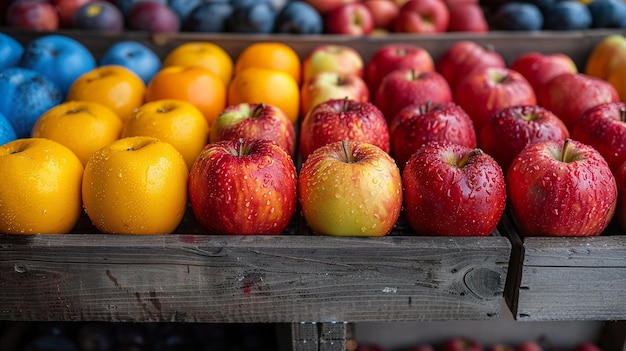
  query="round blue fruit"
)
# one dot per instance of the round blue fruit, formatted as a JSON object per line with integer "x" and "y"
{"x": 567, "y": 15}
{"x": 298, "y": 17}
{"x": 7, "y": 133}
{"x": 518, "y": 16}
{"x": 135, "y": 56}
{"x": 10, "y": 51}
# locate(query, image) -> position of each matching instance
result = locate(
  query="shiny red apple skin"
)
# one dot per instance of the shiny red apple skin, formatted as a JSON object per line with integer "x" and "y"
{"x": 489, "y": 89}
{"x": 255, "y": 121}
{"x": 350, "y": 188}
{"x": 243, "y": 187}
{"x": 453, "y": 190}
{"x": 462, "y": 343}
{"x": 396, "y": 56}
{"x": 339, "y": 119}
{"x": 353, "y": 19}
{"x": 467, "y": 16}
{"x": 407, "y": 86}
{"x": 507, "y": 131}
{"x": 568, "y": 95}
{"x": 383, "y": 12}
{"x": 422, "y": 16}
{"x": 418, "y": 124}
{"x": 464, "y": 56}
{"x": 324, "y": 6}
{"x": 604, "y": 128}
{"x": 561, "y": 188}
{"x": 325, "y": 86}
{"x": 539, "y": 68}
{"x": 32, "y": 14}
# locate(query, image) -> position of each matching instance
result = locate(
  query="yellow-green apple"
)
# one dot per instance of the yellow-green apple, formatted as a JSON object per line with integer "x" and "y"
{"x": 339, "y": 119}
{"x": 489, "y": 89}
{"x": 32, "y": 14}
{"x": 325, "y": 86}
{"x": 350, "y": 188}
{"x": 324, "y": 6}
{"x": 396, "y": 56}
{"x": 461, "y": 184}
{"x": 507, "y": 131}
{"x": 417, "y": 124}
{"x": 561, "y": 188}
{"x": 341, "y": 59}
{"x": 383, "y": 12}
{"x": 467, "y": 16}
{"x": 408, "y": 86}
{"x": 243, "y": 186}
{"x": 255, "y": 121}
{"x": 422, "y": 16}
{"x": 538, "y": 68}
{"x": 608, "y": 55}
{"x": 349, "y": 19}
{"x": 604, "y": 128}
{"x": 620, "y": 210}
{"x": 462, "y": 57}
{"x": 568, "y": 95}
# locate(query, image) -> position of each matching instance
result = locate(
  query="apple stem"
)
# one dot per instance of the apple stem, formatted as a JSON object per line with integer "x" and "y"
{"x": 346, "y": 151}
{"x": 240, "y": 151}
{"x": 564, "y": 151}
{"x": 622, "y": 111}
{"x": 470, "y": 155}
{"x": 426, "y": 107}
{"x": 258, "y": 109}
{"x": 345, "y": 104}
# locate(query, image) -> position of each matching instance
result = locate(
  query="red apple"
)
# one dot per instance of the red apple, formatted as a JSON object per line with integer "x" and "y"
{"x": 422, "y": 347}
{"x": 463, "y": 57}
{"x": 461, "y": 344}
{"x": 350, "y": 188}
{"x": 539, "y": 68}
{"x": 561, "y": 188}
{"x": 467, "y": 16}
{"x": 568, "y": 95}
{"x": 383, "y": 12}
{"x": 407, "y": 86}
{"x": 587, "y": 346}
{"x": 489, "y": 89}
{"x": 244, "y": 186}
{"x": 339, "y": 119}
{"x": 501, "y": 347}
{"x": 325, "y": 86}
{"x": 255, "y": 121}
{"x": 152, "y": 16}
{"x": 32, "y": 14}
{"x": 507, "y": 131}
{"x": 418, "y": 124}
{"x": 341, "y": 59}
{"x": 66, "y": 9}
{"x": 529, "y": 346}
{"x": 422, "y": 16}
{"x": 350, "y": 19}
{"x": 604, "y": 128}
{"x": 396, "y": 56}
{"x": 324, "y": 6}
{"x": 461, "y": 184}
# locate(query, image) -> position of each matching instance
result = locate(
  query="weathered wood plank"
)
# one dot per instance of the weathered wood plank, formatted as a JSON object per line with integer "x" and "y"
{"x": 601, "y": 251}
{"x": 288, "y": 278}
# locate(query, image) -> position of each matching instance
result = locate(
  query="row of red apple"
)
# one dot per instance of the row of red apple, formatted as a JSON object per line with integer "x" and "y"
{"x": 464, "y": 343}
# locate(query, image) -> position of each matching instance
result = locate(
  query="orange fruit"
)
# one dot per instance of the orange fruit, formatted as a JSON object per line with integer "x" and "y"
{"x": 269, "y": 86}
{"x": 40, "y": 187}
{"x": 176, "y": 122}
{"x": 115, "y": 87}
{"x": 82, "y": 126}
{"x": 272, "y": 55}
{"x": 208, "y": 55}
{"x": 194, "y": 84}
{"x": 136, "y": 185}
{"x": 617, "y": 78}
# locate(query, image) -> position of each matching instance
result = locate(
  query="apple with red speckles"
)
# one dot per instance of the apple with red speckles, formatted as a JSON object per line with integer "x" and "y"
{"x": 244, "y": 186}
{"x": 489, "y": 89}
{"x": 461, "y": 184}
{"x": 507, "y": 131}
{"x": 561, "y": 188}
{"x": 325, "y": 86}
{"x": 396, "y": 56}
{"x": 353, "y": 19}
{"x": 341, "y": 59}
{"x": 460, "y": 59}
{"x": 422, "y": 16}
{"x": 539, "y": 68}
{"x": 255, "y": 121}
{"x": 339, "y": 119}
{"x": 408, "y": 86}
{"x": 418, "y": 124}
{"x": 350, "y": 188}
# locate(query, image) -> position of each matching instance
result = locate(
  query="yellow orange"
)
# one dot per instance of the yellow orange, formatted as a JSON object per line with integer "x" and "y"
{"x": 115, "y": 87}
{"x": 193, "y": 84}
{"x": 136, "y": 185}
{"x": 176, "y": 122}
{"x": 272, "y": 55}
{"x": 205, "y": 54}
{"x": 82, "y": 126}
{"x": 40, "y": 187}
{"x": 269, "y": 86}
